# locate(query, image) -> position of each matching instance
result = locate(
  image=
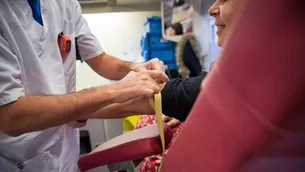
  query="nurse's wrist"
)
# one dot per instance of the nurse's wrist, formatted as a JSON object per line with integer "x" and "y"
{"x": 133, "y": 66}
{"x": 138, "y": 105}
{"x": 108, "y": 92}
{"x": 126, "y": 109}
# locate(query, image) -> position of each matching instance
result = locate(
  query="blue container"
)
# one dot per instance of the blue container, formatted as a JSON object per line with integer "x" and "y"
{"x": 163, "y": 55}
{"x": 146, "y": 55}
{"x": 172, "y": 66}
{"x": 153, "y": 25}
{"x": 157, "y": 43}
{"x": 144, "y": 43}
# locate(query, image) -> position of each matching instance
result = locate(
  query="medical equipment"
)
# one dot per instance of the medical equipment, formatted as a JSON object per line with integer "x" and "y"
{"x": 64, "y": 44}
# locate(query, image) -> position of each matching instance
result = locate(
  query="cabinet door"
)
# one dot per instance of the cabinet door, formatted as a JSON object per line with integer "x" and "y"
{"x": 201, "y": 6}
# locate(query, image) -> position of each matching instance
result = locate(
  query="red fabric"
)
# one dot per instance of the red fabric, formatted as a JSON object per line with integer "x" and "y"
{"x": 189, "y": 30}
{"x": 250, "y": 114}
{"x": 152, "y": 163}
{"x": 136, "y": 144}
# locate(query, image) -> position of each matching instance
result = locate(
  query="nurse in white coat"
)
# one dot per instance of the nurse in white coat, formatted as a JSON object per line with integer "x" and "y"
{"x": 37, "y": 84}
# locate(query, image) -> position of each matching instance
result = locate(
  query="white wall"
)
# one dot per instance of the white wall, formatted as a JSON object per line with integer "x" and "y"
{"x": 127, "y": 2}
{"x": 202, "y": 31}
{"x": 119, "y": 33}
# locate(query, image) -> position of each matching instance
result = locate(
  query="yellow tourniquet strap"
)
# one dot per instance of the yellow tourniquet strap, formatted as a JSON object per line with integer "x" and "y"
{"x": 157, "y": 106}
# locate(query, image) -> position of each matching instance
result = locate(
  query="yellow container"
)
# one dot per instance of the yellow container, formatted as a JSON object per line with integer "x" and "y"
{"x": 129, "y": 123}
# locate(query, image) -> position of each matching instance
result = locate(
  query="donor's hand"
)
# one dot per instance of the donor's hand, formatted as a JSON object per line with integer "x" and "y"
{"x": 172, "y": 122}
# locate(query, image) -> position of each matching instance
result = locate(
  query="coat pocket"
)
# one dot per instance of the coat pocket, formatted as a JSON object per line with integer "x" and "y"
{"x": 41, "y": 163}
{"x": 6, "y": 166}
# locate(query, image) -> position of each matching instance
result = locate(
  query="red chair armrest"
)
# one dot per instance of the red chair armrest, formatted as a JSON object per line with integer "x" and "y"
{"x": 129, "y": 146}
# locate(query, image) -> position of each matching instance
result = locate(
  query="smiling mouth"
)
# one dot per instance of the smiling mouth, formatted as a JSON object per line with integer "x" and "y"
{"x": 220, "y": 29}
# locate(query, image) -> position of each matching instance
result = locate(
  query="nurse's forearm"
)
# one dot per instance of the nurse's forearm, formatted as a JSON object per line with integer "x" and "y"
{"x": 110, "y": 67}
{"x": 112, "y": 111}
{"x": 120, "y": 110}
{"x": 35, "y": 113}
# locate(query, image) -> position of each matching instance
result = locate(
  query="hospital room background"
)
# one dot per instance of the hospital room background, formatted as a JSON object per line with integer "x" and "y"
{"x": 121, "y": 26}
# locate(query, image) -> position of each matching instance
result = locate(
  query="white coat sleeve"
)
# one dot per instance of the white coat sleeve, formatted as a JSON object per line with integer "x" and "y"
{"x": 11, "y": 87}
{"x": 87, "y": 43}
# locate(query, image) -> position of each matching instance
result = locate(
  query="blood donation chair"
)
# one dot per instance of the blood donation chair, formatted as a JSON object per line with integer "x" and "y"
{"x": 129, "y": 146}
{"x": 250, "y": 114}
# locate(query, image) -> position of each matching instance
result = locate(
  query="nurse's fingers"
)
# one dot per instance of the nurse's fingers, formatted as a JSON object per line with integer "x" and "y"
{"x": 136, "y": 85}
{"x": 158, "y": 76}
{"x": 78, "y": 124}
{"x": 157, "y": 64}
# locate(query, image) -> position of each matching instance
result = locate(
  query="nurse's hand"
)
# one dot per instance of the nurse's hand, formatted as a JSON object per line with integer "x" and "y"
{"x": 138, "y": 84}
{"x": 154, "y": 64}
{"x": 78, "y": 124}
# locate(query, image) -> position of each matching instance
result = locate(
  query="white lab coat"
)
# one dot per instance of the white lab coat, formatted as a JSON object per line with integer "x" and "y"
{"x": 31, "y": 64}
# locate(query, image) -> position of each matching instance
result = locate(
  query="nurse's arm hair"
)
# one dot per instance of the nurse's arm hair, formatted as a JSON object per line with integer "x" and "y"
{"x": 110, "y": 67}
{"x": 121, "y": 110}
{"x": 34, "y": 113}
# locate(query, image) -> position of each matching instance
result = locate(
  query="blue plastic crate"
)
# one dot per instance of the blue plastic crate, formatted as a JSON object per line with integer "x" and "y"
{"x": 144, "y": 43}
{"x": 163, "y": 55}
{"x": 172, "y": 66}
{"x": 146, "y": 55}
{"x": 157, "y": 42}
{"x": 153, "y": 25}
{"x": 154, "y": 42}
